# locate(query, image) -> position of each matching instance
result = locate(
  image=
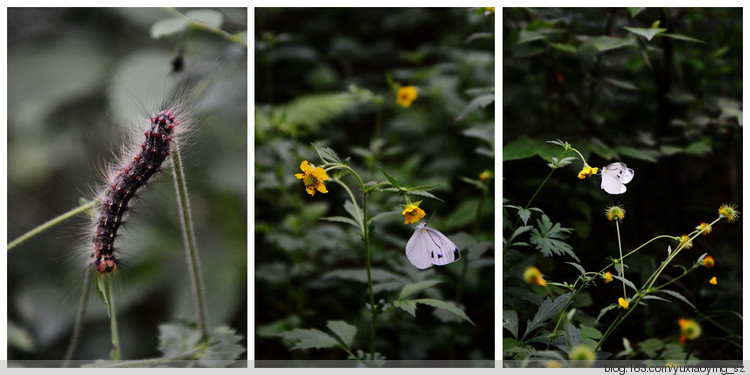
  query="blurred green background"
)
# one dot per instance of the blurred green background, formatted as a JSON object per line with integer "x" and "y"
{"x": 78, "y": 80}
{"x": 671, "y": 108}
{"x": 322, "y": 76}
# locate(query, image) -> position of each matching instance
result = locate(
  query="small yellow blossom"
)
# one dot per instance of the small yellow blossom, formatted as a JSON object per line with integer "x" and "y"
{"x": 607, "y": 277}
{"x": 587, "y": 171}
{"x": 406, "y": 95}
{"x": 729, "y": 211}
{"x": 553, "y": 364}
{"x": 533, "y": 276}
{"x": 614, "y": 212}
{"x": 312, "y": 177}
{"x": 686, "y": 241}
{"x": 486, "y": 175}
{"x": 691, "y": 330}
{"x": 713, "y": 281}
{"x": 705, "y": 227}
{"x": 709, "y": 261}
{"x": 582, "y": 356}
{"x": 623, "y": 303}
{"x": 412, "y": 213}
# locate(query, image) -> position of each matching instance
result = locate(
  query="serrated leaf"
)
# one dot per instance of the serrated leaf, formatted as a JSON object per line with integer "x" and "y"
{"x": 329, "y": 155}
{"x": 410, "y": 289}
{"x": 390, "y": 179}
{"x": 572, "y": 335}
{"x": 547, "y": 311}
{"x": 168, "y": 27}
{"x": 309, "y": 339}
{"x": 408, "y": 306}
{"x": 447, "y": 306}
{"x": 207, "y": 17}
{"x": 177, "y": 338}
{"x": 343, "y": 330}
{"x": 549, "y": 238}
{"x": 425, "y": 194}
{"x": 510, "y": 322}
{"x": 647, "y": 33}
{"x": 223, "y": 348}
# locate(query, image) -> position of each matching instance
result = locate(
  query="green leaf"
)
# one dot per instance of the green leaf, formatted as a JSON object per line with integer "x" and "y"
{"x": 627, "y": 282}
{"x": 650, "y": 347}
{"x": 521, "y": 148}
{"x": 410, "y": 289}
{"x": 476, "y": 103}
{"x": 329, "y": 155}
{"x": 683, "y": 37}
{"x": 341, "y": 219}
{"x": 343, "y": 330}
{"x": 510, "y": 322}
{"x": 408, "y": 306}
{"x": 223, "y": 348}
{"x": 572, "y": 335}
{"x": 647, "y": 155}
{"x": 698, "y": 148}
{"x": 168, "y": 27}
{"x": 390, "y": 179}
{"x": 678, "y": 296}
{"x": 309, "y": 339}
{"x": 605, "y": 310}
{"x": 526, "y": 36}
{"x": 425, "y": 194}
{"x": 207, "y": 17}
{"x": 447, "y": 306}
{"x": 580, "y": 269}
{"x": 606, "y": 43}
{"x": 549, "y": 238}
{"x": 647, "y": 33}
{"x": 547, "y": 311}
{"x": 178, "y": 338}
{"x": 350, "y": 208}
{"x": 635, "y": 11}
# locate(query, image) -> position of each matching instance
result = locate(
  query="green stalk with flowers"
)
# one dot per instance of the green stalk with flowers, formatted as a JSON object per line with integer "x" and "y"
{"x": 553, "y": 321}
{"x": 314, "y": 178}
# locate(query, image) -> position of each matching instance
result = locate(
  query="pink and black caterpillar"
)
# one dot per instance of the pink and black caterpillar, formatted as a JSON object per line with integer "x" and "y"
{"x": 126, "y": 182}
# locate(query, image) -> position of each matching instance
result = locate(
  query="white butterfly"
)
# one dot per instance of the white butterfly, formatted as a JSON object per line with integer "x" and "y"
{"x": 427, "y": 246}
{"x": 615, "y": 176}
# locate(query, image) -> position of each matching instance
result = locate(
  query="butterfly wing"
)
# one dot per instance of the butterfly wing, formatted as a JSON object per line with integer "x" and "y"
{"x": 443, "y": 250}
{"x": 615, "y": 176}
{"x": 419, "y": 247}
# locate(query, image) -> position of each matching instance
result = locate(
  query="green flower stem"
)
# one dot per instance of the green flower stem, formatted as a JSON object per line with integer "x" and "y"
{"x": 105, "y": 286}
{"x": 191, "y": 247}
{"x": 647, "y": 288}
{"x": 78, "y": 326}
{"x": 362, "y": 216}
{"x": 622, "y": 265}
{"x": 51, "y": 223}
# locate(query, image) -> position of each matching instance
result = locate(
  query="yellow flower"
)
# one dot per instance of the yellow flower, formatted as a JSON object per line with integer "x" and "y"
{"x": 729, "y": 211}
{"x": 312, "y": 177}
{"x": 713, "y": 281}
{"x": 533, "y": 276}
{"x": 406, "y": 95}
{"x": 623, "y": 303}
{"x": 412, "y": 213}
{"x": 582, "y": 356}
{"x": 587, "y": 171}
{"x": 484, "y": 176}
{"x": 709, "y": 261}
{"x": 607, "y": 277}
{"x": 686, "y": 241}
{"x": 614, "y": 212}
{"x": 705, "y": 227}
{"x": 492, "y": 9}
{"x": 691, "y": 330}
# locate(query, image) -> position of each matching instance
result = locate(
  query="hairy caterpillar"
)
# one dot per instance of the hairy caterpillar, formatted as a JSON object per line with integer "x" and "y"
{"x": 142, "y": 158}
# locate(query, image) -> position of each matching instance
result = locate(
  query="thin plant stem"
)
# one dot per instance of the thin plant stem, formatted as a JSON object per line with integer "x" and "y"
{"x": 80, "y": 315}
{"x": 191, "y": 247}
{"x": 105, "y": 286}
{"x": 51, "y": 223}
{"x": 622, "y": 265}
